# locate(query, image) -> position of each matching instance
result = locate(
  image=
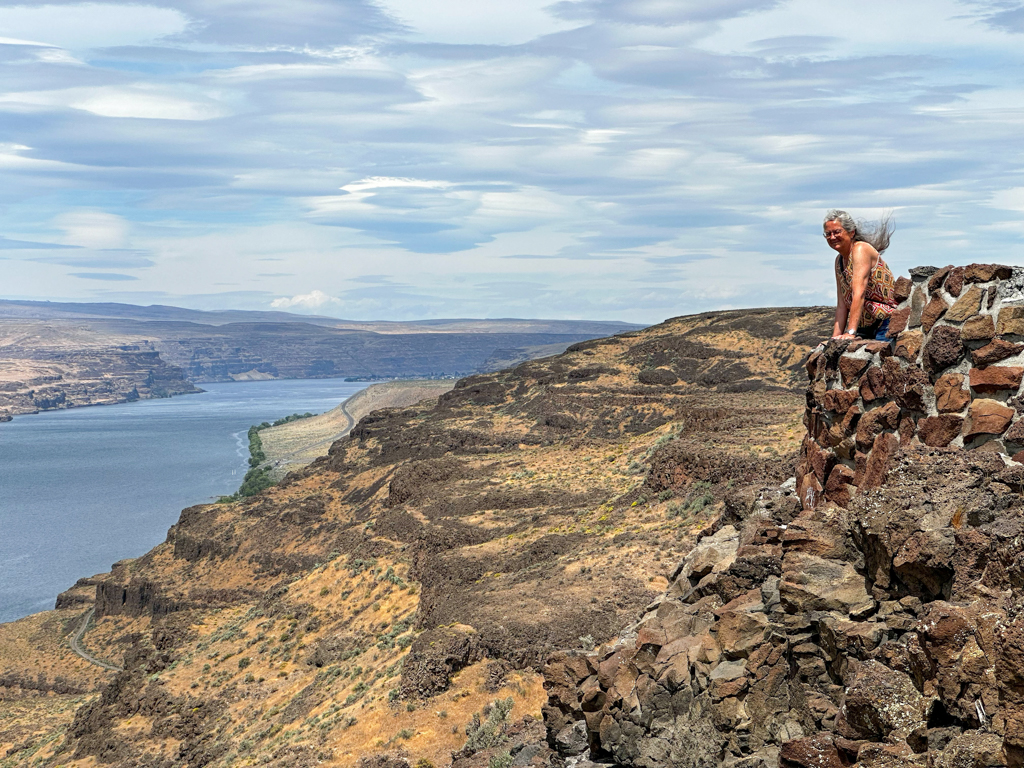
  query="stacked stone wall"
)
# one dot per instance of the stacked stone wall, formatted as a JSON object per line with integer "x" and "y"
{"x": 949, "y": 378}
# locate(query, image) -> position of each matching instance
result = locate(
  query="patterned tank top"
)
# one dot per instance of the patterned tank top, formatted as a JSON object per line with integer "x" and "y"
{"x": 880, "y": 296}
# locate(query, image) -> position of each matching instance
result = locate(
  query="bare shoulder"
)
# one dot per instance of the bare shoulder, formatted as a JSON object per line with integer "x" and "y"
{"x": 863, "y": 253}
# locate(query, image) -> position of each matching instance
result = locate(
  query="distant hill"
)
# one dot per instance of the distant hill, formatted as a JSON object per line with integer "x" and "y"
{"x": 62, "y": 355}
{"x": 48, "y": 310}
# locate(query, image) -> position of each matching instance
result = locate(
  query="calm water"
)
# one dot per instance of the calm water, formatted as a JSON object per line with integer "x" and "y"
{"x": 83, "y": 488}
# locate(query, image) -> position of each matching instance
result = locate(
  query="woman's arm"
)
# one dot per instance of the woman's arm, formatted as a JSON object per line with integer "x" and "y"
{"x": 839, "y": 328}
{"x": 862, "y": 257}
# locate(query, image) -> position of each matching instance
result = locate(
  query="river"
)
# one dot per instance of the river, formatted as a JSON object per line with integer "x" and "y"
{"x": 83, "y": 488}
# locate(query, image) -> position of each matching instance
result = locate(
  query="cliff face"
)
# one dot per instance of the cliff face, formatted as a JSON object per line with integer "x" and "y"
{"x": 380, "y": 598}
{"x": 45, "y": 368}
{"x": 867, "y": 613}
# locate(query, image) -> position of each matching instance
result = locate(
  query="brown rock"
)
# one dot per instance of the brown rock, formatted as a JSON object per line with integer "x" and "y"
{"x": 818, "y": 751}
{"x": 935, "y": 282}
{"x": 820, "y": 461}
{"x": 907, "y": 385}
{"x": 812, "y": 365}
{"x": 939, "y": 431}
{"x": 955, "y": 281}
{"x": 907, "y": 429}
{"x": 966, "y": 306}
{"x": 902, "y": 289}
{"x": 917, "y": 302}
{"x": 990, "y": 299}
{"x": 987, "y": 417}
{"x": 1011, "y": 320}
{"x": 839, "y": 400}
{"x": 978, "y": 328}
{"x": 837, "y": 488}
{"x": 1015, "y": 433}
{"x": 851, "y": 368}
{"x": 876, "y": 421}
{"x": 880, "y": 459}
{"x": 982, "y": 273}
{"x": 898, "y": 322}
{"x": 811, "y": 583}
{"x": 908, "y": 345}
{"x": 993, "y": 378}
{"x": 950, "y": 395}
{"x": 995, "y": 351}
{"x": 943, "y": 349}
{"x": 878, "y": 703}
{"x": 809, "y": 490}
{"x": 933, "y": 312}
{"x": 742, "y": 625}
{"x": 872, "y": 385}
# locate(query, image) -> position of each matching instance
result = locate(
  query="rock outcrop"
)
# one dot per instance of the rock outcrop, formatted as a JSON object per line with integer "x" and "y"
{"x": 869, "y": 611}
{"x": 950, "y": 377}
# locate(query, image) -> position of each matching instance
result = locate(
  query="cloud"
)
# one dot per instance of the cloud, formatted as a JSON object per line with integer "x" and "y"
{"x": 7, "y": 244}
{"x": 92, "y": 229}
{"x": 110, "y": 276}
{"x": 409, "y": 158}
{"x": 90, "y": 25}
{"x": 313, "y": 300}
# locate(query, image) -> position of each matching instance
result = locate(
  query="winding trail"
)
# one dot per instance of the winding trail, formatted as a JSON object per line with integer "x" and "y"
{"x": 76, "y": 646}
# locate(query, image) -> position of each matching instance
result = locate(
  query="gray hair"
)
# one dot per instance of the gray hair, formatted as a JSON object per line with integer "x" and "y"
{"x": 876, "y": 235}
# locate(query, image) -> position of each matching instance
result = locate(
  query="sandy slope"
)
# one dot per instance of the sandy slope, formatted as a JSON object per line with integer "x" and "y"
{"x": 297, "y": 443}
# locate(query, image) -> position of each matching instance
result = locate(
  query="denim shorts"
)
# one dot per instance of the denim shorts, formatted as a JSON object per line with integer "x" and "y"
{"x": 878, "y": 331}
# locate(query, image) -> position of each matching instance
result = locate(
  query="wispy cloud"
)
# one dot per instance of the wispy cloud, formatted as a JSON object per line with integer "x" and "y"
{"x": 312, "y": 300}
{"x": 594, "y": 158}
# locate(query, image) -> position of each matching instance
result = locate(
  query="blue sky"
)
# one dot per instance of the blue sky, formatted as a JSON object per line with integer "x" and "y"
{"x": 402, "y": 159}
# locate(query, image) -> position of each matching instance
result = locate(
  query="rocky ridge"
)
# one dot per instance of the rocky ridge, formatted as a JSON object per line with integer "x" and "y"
{"x": 380, "y": 600}
{"x": 870, "y": 622}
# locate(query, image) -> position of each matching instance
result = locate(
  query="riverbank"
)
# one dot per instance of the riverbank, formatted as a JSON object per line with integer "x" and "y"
{"x": 296, "y": 444}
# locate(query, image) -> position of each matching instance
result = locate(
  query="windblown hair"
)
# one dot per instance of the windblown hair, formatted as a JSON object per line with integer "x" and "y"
{"x": 876, "y": 235}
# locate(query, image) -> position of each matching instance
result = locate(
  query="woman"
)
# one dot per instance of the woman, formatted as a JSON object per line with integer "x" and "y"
{"x": 865, "y": 287}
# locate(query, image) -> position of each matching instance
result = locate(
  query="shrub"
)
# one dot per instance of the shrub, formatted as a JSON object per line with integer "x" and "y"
{"x": 490, "y": 732}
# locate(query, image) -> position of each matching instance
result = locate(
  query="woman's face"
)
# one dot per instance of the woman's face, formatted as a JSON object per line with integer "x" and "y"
{"x": 838, "y": 238}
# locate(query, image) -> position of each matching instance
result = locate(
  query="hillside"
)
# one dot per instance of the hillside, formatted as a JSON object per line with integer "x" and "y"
{"x": 380, "y": 599}
{"x": 61, "y": 355}
{"x": 293, "y": 445}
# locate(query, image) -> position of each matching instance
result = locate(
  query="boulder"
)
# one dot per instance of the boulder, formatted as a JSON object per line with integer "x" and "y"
{"x": 983, "y": 273}
{"x": 908, "y": 345}
{"x": 943, "y": 349}
{"x": 966, "y": 306}
{"x": 995, "y": 351}
{"x": 955, "y": 281}
{"x": 993, "y": 378}
{"x": 936, "y": 280}
{"x": 713, "y": 553}
{"x": 880, "y": 459}
{"x": 851, "y": 368}
{"x": 875, "y": 421}
{"x": 872, "y": 385}
{"x": 987, "y": 417}
{"x": 932, "y": 313}
{"x": 898, "y": 322}
{"x": 950, "y": 395}
{"x": 978, "y": 328}
{"x": 818, "y": 751}
{"x": 880, "y": 704}
{"x": 811, "y": 583}
{"x": 840, "y": 400}
{"x": 901, "y": 291}
{"x": 939, "y": 431}
{"x": 1011, "y": 320}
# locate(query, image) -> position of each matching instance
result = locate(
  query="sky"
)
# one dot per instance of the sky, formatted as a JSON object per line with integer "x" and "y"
{"x": 405, "y": 159}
